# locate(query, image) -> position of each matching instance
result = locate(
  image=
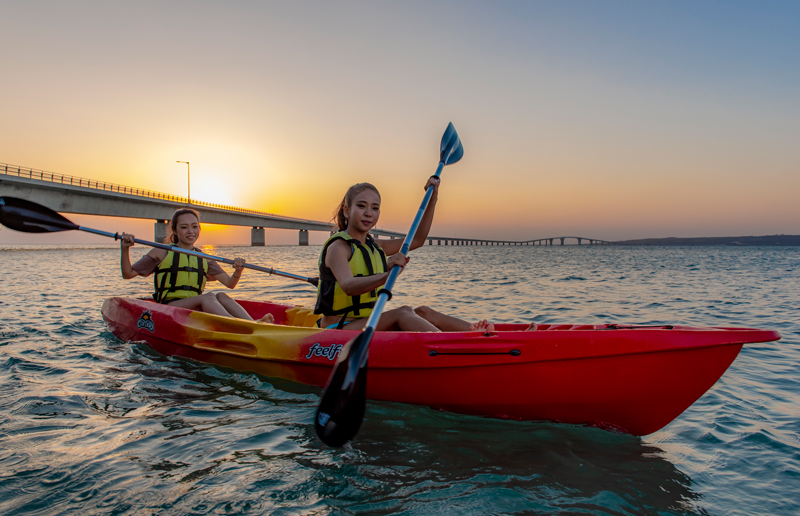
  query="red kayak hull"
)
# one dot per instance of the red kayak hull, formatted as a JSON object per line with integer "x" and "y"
{"x": 626, "y": 378}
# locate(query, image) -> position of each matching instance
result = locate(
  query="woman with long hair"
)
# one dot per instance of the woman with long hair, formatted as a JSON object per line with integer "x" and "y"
{"x": 353, "y": 267}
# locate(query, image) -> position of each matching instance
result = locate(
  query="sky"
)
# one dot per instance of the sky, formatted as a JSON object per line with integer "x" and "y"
{"x": 608, "y": 120}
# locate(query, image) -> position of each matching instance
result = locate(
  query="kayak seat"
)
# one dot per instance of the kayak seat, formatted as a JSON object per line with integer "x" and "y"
{"x": 301, "y": 316}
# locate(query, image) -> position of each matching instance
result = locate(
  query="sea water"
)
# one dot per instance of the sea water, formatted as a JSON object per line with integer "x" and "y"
{"x": 92, "y": 425}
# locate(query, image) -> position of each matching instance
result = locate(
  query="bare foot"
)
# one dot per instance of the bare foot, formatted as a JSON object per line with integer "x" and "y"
{"x": 531, "y": 327}
{"x": 483, "y": 325}
{"x": 267, "y": 319}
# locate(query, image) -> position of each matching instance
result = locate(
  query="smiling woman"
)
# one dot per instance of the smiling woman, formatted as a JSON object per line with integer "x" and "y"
{"x": 354, "y": 267}
{"x": 180, "y": 279}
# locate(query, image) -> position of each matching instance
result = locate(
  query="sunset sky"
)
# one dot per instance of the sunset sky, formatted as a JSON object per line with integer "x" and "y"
{"x": 609, "y": 120}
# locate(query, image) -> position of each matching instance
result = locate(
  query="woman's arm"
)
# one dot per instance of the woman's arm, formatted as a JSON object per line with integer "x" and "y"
{"x": 337, "y": 260}
{"x": 231, "y": 281}
{"x": 393, "y": 246}
{"x": 130, "y": 271}
{"x": 427, "y": 217}
{"x": 125, "y": 244}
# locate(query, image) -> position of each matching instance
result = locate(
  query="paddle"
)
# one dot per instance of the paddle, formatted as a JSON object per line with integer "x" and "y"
{"x": 30, "y": 217}
{"x": 341, "y": 408}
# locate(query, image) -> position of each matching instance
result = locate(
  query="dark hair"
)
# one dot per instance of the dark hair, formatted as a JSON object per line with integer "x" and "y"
{"x": 172, "y": 236}
{"x": 347, "y": 200}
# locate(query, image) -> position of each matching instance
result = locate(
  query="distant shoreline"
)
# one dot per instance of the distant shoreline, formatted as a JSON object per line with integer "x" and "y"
{"x": 768, "y": 240}
{"x": 749, "y": 241}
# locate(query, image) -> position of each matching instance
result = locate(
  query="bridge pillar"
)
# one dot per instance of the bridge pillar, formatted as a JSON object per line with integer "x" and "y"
{"x": 303, "y": 237}
{"x": 160, "y": 231}
{"x": 257, "y": 237}
{"x": 579, "y": 240}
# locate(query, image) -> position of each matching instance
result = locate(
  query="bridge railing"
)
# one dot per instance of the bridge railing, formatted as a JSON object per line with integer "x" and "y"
{"x": 52, "y": 177}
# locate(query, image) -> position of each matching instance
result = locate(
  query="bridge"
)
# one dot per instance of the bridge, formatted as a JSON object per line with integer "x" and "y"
{"x": 538, "y": 241}
{"x": 72, "y": 194}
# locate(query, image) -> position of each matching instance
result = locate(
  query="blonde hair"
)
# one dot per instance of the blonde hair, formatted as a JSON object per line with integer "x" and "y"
{"x": 347, "y": 201}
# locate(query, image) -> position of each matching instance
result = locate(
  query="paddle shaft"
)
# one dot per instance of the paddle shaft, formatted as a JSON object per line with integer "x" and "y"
{"x": 176, "y": 249}
{"x": 30, "y": 217}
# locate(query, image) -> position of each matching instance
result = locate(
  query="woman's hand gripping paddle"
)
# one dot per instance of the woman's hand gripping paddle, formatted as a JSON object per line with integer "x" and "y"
{"x": 341, "y": 408}
{"x": 29, "y": 217}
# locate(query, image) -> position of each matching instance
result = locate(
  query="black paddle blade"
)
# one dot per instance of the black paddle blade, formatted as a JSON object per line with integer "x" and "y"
{"x": 30, "y": 217}
{"x": 451, "y": 149}
{"x": 344, "y": 399}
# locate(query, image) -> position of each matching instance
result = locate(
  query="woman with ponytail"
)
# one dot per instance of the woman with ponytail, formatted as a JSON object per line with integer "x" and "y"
{"x": 353, "y": 267}
{"x": 180, "y": 278}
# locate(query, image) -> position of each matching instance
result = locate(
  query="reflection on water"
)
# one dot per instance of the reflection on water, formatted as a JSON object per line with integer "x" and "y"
{"x": 469, "y": 464}
{"x": 93, "y": 425}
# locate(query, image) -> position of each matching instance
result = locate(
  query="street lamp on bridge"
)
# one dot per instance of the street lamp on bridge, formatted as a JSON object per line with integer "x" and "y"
{"x": 188, "y": 181}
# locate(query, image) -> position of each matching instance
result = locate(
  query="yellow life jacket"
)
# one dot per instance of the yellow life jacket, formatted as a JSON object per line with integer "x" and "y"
{"x": 179, "y": 278}
{"x": 366, "y": 259}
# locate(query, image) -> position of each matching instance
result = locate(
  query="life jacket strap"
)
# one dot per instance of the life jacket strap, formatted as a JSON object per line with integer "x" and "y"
{"x": 172, "y": 273}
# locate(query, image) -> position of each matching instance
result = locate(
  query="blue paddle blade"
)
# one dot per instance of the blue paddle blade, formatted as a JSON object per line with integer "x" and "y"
{"x": 451, "y": 149}
{"x": 30, "y": 217}
{"x": 341, "y": 409}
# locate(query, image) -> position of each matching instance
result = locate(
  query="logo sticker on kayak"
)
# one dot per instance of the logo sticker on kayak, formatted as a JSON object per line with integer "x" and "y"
{"x": 146, "y": 321}
{"x": 329, "y": 352}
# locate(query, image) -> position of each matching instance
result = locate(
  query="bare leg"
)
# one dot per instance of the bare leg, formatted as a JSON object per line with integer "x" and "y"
{"x": 233, "y": 308}
{"x": 450, "y": 323}
{"x": 403, "y": 319}
{"x": 204, "y": 302}
{"x": 531, "y": 327}
{"x": 214, "y": 303}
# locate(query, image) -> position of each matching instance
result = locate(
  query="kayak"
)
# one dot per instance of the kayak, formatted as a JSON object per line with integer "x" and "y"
{"x": 625, "y": 378}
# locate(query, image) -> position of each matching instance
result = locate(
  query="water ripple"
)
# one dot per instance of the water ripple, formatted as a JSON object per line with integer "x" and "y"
{"x": 93, "y": 425}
